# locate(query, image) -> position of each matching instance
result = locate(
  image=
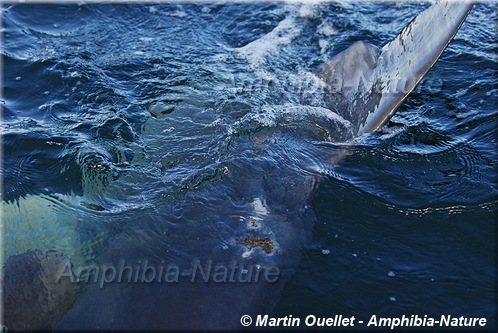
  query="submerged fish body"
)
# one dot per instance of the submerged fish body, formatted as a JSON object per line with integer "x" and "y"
{"x": 228, "y": 246}
{"x": 214, "y": 266}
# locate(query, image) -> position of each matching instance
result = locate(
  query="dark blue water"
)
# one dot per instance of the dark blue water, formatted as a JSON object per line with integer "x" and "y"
{"x": 172, "y": 119}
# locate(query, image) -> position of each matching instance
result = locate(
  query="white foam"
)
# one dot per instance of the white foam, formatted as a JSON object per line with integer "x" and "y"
{"x": 308, "y": 10}
{"x": 326, "y": 29}
{"x": 179, "y": 14}
{"x": 282, "y": 34}
{"x": 146, "y": 39}
{"x": 324, "y": 46}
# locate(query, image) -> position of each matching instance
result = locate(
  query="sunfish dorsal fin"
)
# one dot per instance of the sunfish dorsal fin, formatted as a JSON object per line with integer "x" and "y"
{"x": 366, "y": 85}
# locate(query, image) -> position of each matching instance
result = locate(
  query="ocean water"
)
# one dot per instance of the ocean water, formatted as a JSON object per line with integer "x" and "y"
{"x": 180, "y": 120}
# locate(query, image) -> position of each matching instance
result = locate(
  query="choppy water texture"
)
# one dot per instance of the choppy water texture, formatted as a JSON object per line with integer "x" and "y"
{"x": 121, "y": 118}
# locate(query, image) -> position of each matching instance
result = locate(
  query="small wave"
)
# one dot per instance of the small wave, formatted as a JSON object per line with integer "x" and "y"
{"x": 315, "y": 123}
{"x": 445, "y": 171}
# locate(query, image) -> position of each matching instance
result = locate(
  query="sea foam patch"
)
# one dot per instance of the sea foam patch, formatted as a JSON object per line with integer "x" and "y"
{"x": 283, "y": 34}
